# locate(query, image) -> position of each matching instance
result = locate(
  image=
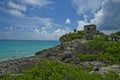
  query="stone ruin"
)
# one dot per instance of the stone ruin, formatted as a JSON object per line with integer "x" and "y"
{"x": 112, "y": 38}
{"x": 90, "y": 31}
{"x": 116, "y": 38}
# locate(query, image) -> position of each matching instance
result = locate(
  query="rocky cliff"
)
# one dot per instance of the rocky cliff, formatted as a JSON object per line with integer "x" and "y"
{"x": 65, "y": 52}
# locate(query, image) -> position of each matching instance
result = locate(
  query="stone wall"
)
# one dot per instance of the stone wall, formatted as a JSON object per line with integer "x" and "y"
{"x": 90, "y": 29}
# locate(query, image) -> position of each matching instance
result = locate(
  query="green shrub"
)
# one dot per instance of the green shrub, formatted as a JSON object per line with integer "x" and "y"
{"x": 72, "y": 36}
{"x": 87, "y": 57}
{"x": 96, "y": 43}
{"x": 112, "y": 47}
{"x": 54, "y": 70}
{"x": 110, "y": 58}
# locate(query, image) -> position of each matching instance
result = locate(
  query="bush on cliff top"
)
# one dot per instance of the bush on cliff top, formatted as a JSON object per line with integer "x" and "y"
{"x": 72, "y": 36}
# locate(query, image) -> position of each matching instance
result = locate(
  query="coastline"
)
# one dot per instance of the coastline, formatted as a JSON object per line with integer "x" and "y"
{"x": 16, "y": 49}
{"x": 65, "y": 53}
{"x": 18, "y": 65}
{"x": 14, "y": 58}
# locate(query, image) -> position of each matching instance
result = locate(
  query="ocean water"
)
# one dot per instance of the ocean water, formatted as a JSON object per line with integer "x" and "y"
{"x": 15, "y": 49}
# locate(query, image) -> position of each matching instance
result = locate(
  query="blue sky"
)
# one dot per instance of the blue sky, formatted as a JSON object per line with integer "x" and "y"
{"x": 49, "y": 19}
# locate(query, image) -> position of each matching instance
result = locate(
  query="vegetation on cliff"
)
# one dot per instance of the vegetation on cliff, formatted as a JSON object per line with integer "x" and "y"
{"x": 45, "y": 70}
{"x": 72, "y": 36}
{"x": 117, "y": 33}
{"x": 108, "y": 51}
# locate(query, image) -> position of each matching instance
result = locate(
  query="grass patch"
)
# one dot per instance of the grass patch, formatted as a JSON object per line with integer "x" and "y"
{"x": 87, "y": 57}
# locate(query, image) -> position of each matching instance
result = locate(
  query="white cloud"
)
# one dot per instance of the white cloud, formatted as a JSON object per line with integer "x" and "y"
{"x": 68, "y": 21}
{"x": 40, "y": 26}
{"x": 85, "y": 18}
{"x": 47, "y": 34}
{"x": 16, "y": 6}
{"x": 36, "y": 30}
{"x": 43, "y": 31}
{"x": 110, "y": 31}
{"x": 11, "y": 28}
{"x": 59, "y": 32}
{"x": 98, "y": 18}
{"x": 39, "y": 3}
{"x": 86, "y": 6}
{"x": 48, "y": 23}
{"x": 33, "y": 22}
{"x": 81, "y": 23}
{"x": 107, "y": 18}
{"x": 17, "y": 9}
{"x": 16, "y": 13}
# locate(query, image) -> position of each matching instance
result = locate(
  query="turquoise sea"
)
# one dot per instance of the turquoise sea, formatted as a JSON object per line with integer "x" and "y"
{"x": 14, "y": 49}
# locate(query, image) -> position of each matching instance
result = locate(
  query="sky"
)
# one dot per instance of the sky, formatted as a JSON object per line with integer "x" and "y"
{"x": 49, "y": 19}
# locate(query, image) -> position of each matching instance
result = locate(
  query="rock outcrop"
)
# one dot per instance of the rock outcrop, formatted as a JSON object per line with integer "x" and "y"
{"x": 65, "y": 52}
